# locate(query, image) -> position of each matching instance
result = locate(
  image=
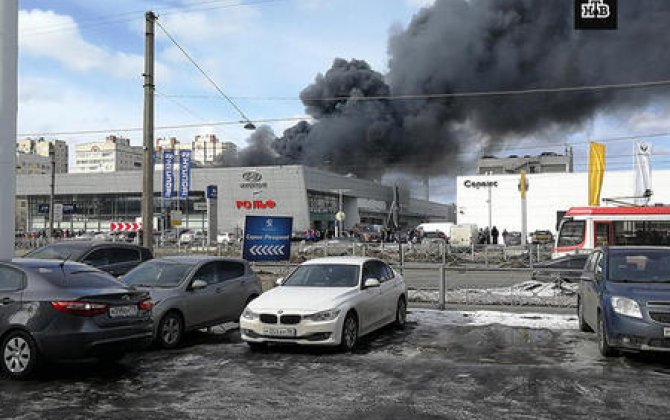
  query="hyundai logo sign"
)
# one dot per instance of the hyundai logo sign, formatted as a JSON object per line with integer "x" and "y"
{"x": 252, "y": 176}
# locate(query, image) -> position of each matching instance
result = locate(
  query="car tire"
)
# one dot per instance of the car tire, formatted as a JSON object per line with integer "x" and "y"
{"x": 257, "y": 347}
{"x": 349, "y": 337}
{"x": 603, "y": 346}
{"x": 170, "y": 330}
{"x": 583, "y": 326}
{"x": 401, "y": 314}
{"x": 19, "y": 355}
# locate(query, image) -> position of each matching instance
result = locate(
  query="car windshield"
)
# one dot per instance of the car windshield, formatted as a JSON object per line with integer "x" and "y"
{"x": 57, "y": 252}
{"x": 324, "y": 275}
{"x": 640, "y": 266}
{"x": 157, "y": 273}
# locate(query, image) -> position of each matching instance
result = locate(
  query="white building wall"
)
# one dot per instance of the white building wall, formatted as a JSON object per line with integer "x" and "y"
{"x": 547, "y": 194}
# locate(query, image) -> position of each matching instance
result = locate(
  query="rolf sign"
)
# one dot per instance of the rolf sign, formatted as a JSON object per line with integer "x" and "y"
{"x": 255, "y": 205}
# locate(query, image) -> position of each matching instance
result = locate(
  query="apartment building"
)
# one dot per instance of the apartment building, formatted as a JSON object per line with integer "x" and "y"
{"x": 113, "y": 154}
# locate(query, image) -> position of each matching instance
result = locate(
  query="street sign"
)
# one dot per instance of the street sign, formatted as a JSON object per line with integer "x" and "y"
{"x": 43, "y": 209}
{"x": 124, "y": 227}
{"x": 175, "y": 218}
{"x": 58, "y": 212}
{"x": 200, "y": 206}
{"x": 267, "y": 238}
{"x": 212, "y": 191}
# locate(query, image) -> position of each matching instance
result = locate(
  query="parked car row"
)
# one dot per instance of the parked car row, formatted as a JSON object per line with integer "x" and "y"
{"x": 53, "y": 306}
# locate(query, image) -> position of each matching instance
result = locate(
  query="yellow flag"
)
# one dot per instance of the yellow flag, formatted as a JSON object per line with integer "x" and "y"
{"x": 596, "y": 172}
{"x": 523, "y": 184}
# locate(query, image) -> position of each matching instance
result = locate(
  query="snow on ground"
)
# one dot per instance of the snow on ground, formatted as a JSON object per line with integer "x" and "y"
{"x": 527, "y": 293}
{"x": 434, "y": 318}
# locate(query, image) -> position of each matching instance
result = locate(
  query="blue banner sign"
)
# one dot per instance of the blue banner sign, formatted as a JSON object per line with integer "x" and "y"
{"x": 212, "y": 191}
{"x": 168, "y": 173}
{"x": 184, "y": 173}
{"x": 267, "y": 238}
{"x": 70, "y": 209}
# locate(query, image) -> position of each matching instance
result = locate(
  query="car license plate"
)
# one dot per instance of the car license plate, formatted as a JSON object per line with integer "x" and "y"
{"x": 279, "y": 332}
{"x": 666, "y": 331}
{"x": 122, "y": 311}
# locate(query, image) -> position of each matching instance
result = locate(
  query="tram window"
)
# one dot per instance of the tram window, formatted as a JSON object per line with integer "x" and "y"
{"x": 572, "y": 233}
{"x": 642, "y": 233}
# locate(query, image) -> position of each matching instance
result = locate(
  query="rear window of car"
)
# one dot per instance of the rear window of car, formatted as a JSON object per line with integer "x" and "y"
{"x": 57, "y": 252}
{"x": 77, "y": 277}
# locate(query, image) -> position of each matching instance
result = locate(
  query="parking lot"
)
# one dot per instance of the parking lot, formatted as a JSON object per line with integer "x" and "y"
{"x": 444, "y": 365}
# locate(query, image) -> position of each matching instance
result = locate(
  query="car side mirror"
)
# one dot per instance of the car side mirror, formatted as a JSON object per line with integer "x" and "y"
{"x": 371, "y": 283}
{"x": 279, "y": 281}
{"x": 198, "y": 284}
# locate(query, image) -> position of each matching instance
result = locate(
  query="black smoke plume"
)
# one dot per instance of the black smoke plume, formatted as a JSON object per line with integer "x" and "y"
{"x": 476, "y": 46}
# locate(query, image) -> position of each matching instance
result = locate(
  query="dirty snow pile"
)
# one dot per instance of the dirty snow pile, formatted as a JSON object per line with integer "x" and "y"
{"x": 433, "y": 318}
{"x": 528, "y": 293}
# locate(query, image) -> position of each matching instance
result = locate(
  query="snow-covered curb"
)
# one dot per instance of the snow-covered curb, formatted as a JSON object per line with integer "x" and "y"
{"x": 433, "y": 318}
{"x": 529, "y": 293}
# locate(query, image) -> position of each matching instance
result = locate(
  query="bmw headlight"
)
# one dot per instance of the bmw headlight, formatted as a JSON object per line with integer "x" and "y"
{"x": 627, "y": 307}
{"x": 328, "y": 315}
{"x": 249, "y": 314}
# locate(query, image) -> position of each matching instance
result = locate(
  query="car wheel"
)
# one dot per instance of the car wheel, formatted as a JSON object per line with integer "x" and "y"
{"x": 19, "y": 355}
{"x": 401, "y": 314}
{"x": 349, "y": 337}
{"x": 583, "y": 326}
{"x": 605, "y": 349}
{"x": 170, "y": 330}
{"x": 257, "y": 347}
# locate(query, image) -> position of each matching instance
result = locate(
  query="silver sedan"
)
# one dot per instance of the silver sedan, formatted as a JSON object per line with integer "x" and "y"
{"x": 193, "y": 292}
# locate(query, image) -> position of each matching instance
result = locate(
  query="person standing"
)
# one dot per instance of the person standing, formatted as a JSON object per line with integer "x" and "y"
{"x": 504, "y": 236}
{"x": 494, "y": 235}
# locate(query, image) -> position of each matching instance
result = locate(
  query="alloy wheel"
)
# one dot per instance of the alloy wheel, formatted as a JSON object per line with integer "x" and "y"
{"x": 170, "y": 331}
{"x": 17, "y": 355}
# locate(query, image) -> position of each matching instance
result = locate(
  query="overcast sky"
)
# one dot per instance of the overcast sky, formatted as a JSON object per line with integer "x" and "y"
{"x": 81, "y": 62}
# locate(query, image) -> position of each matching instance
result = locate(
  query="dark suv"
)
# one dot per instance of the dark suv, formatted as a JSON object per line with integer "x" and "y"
{"x": 115, "y": 258}
{"x": 624, "y": 295}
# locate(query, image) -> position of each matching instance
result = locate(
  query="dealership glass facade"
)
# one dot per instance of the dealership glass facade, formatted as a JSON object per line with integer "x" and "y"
{"x": 96, "y": 212}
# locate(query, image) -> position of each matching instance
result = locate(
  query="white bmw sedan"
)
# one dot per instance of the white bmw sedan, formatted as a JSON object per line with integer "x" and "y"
{"x": 327, "y": 301}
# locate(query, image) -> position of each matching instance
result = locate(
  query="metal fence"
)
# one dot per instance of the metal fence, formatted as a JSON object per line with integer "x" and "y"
{"x": 436, "y": 273}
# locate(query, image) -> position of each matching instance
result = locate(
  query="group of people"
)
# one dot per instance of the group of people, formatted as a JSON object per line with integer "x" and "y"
{"x": 487, "y": 237}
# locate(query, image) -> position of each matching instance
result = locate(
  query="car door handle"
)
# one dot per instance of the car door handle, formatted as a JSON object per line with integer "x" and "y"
{"x": 6, "y": 301}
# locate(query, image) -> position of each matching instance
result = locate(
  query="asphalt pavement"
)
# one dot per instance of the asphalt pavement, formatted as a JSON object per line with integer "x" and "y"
{"x": 427, "y": 371}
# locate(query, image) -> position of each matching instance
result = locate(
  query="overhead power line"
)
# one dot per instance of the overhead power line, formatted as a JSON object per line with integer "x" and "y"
{"x": 420, "y": 96}
{"x": 139, "y": 15}
{"x": 164, "y": 127}
{"x": 246, "y": 119}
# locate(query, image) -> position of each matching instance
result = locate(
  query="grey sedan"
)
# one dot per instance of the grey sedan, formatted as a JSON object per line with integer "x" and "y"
{"x": 193, "y": 292}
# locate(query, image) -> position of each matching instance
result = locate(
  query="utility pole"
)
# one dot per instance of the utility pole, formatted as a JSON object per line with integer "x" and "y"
{"x": 523, "y": 189}
{"x": 9, "y": 47}
{"x": 148, "y": 163}
{"x": 52, "y": 191}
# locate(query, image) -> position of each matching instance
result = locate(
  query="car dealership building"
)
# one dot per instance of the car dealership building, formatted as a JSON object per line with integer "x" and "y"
{"x": 309, "y": 195}
{"x": 549, "y": 196}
